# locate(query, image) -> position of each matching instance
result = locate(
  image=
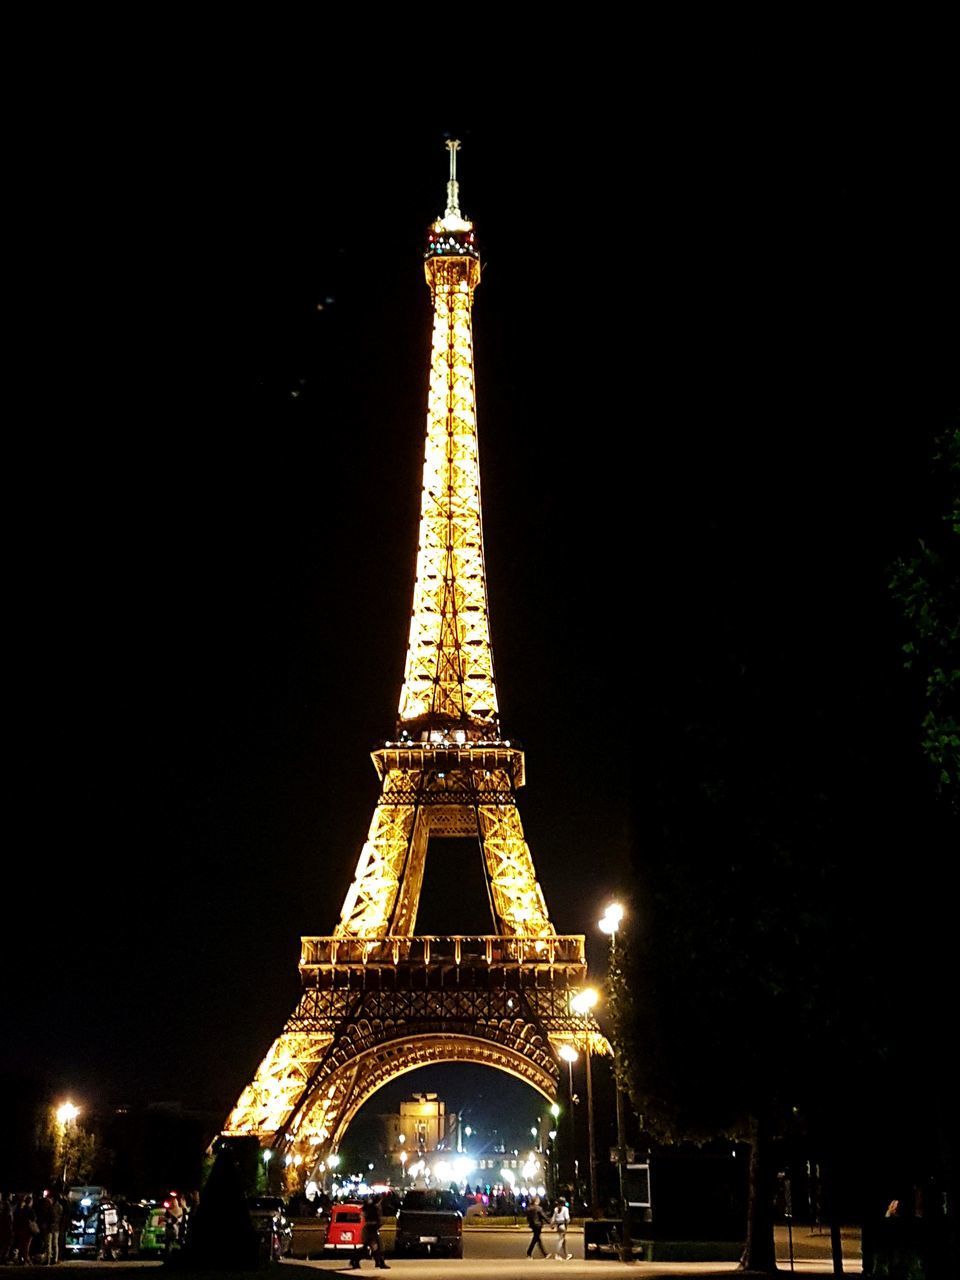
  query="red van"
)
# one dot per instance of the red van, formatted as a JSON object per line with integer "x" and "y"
{"x": 345, "y": 1232}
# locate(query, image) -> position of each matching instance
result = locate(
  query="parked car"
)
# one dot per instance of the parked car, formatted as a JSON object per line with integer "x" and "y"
{"x": 93, "y": 1227}
{"x": 153, "y": 1231}
{"x": 344, "y": 1232}
{"x": 269, "y": 1216}
{"x": 429, "y": 1222}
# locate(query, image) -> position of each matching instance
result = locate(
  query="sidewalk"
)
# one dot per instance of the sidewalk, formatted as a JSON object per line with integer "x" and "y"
{"x": 813, "y": 1243}
{"x": 810, "y": 1244}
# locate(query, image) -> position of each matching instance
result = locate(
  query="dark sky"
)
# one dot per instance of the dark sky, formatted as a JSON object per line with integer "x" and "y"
{"x": 712, "y": 350}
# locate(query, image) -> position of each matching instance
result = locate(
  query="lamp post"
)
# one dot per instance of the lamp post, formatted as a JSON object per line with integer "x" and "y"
{"x": 65, "y": 1114}
{"x": 333, "y": 1160}
{"x": 555, "y": 1112}
{"x": 581, "y": 1004}
{"x": 609, "y": 924}
{"x": 569, "y": 1054}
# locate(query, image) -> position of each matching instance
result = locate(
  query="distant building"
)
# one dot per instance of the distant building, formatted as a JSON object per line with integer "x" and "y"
{"x": 422, "y": 1129}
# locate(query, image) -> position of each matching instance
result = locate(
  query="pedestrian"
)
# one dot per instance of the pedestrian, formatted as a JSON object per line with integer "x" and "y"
{"x": 536, "y": 1221}
{"x": 66, "y": 1214}
{"x": 372, "y": 1222}
{"x": 6, "y": 1226}
{"x": 48, "y": 1219}
{"x": 561, "y": 1220}
{"x": 24, "y": 1227}
{"x": 172, "y": 1222}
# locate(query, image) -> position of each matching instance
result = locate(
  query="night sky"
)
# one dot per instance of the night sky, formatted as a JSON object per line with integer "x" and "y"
{"x": 710, "y": 354}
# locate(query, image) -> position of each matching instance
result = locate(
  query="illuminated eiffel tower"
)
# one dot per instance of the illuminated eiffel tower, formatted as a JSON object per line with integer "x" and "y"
{"x": 377, "y": 999}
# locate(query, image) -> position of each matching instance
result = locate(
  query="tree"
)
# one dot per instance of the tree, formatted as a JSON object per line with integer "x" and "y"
{"x": 927, "y": 588}
{"x": 776, "y": 801}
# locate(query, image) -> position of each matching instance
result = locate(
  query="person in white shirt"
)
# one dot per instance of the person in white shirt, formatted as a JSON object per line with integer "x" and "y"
{"x": 561, "y": 1220}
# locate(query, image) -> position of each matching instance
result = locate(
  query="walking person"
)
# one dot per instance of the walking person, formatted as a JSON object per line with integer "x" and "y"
{"x": 372, "y": 1222}
{"x": 561, "y": 1220}
{"x": 536, "y": 1221}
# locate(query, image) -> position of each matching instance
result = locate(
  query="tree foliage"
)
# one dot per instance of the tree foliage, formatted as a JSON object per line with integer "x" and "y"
{"x": 926, "y": 585}
{"x": 755, "y": 999}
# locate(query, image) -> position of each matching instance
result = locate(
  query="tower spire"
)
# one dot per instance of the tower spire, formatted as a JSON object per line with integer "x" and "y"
{"x": 453, "y": 219}
{"x": 453, "y": 186}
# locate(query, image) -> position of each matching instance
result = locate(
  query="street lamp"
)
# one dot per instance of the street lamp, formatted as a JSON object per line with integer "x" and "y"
{"x": 65, "y": 1115}
{"x": 555, "y": 1112}
{"x": 610, "y": 921}
{"x": 609, "y": 924}
{"x": 569, "y": 1054}
{"x": 581, "y": 1004}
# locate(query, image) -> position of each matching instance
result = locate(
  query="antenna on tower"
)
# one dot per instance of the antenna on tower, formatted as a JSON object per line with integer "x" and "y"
{"x": 453, "y": 187}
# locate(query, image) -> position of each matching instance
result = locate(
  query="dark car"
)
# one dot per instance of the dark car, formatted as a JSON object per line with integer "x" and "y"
{"x": 269, "y": 1217}
{"x": 429, "y": 1222}
{"x": 93, "y": 1226}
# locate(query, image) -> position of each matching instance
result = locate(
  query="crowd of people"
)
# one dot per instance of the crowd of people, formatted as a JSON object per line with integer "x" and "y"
{"x": 34, "y": 1227}
{"x": 31, "y": 1228}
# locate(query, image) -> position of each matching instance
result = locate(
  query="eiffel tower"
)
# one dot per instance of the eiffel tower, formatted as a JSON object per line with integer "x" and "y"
{"x": 377, "y": 999}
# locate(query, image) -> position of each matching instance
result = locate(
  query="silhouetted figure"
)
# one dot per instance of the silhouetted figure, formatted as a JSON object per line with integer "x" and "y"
{"x": 6, "y": 1226}
{"x": 48, "y": 1219}
{"x": 221, "y": 1235}
{"x": 536, "y": 1220}
{"x": 372, "y": 1222}
{"x": 24, "y": 1227}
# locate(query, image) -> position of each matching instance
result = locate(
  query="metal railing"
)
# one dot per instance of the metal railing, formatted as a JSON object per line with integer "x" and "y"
{"x": 429, "y": 950}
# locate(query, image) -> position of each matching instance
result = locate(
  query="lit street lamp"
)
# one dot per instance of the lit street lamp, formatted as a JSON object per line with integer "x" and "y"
{"x": 555, "y": 1112}
{"x": 569, "y": 1054}
{"x": 581, "y": 1004}
{"x": 609, "y": 924}
{"x": 65, "y": 1115}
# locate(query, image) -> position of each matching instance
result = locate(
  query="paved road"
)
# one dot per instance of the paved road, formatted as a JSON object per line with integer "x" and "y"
{"x": 501, "y": 1255}
{"x": 472, "y": 1268}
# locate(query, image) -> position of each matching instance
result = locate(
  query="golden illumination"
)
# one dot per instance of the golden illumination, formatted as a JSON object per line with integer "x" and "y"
{"x": 378, "y": 1000}
{"x": 266, "y": 1103}
{"x": 448, "y": 678}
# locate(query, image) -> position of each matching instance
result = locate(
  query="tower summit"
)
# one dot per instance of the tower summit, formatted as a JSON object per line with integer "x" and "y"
{"x": 377, "y": 999}
{"x": 448, "y": 683}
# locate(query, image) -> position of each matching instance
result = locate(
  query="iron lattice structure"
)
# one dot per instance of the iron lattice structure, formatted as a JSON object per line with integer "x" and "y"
{"x": 377, "y": 999}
